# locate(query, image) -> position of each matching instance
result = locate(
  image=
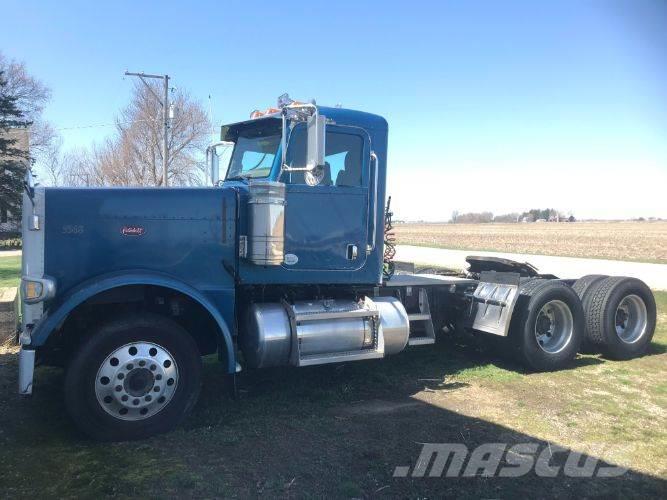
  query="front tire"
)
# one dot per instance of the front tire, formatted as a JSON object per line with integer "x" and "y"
{"x": 134, "y": 377}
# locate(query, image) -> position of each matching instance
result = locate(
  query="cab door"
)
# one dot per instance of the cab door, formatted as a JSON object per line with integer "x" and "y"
{"x": 326, "y": 224}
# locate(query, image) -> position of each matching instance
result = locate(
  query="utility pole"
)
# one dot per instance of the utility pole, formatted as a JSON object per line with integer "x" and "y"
{"x": 165, "y": 117}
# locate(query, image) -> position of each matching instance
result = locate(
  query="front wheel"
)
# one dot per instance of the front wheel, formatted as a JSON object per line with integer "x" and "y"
{"x": 134, "y": 377}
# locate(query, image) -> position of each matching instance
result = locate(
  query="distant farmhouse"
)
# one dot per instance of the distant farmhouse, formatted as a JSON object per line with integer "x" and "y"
{"x": 8, "y": 222}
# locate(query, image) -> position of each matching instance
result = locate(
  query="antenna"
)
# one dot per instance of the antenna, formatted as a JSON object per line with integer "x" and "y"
{"x": 210, "y": 117}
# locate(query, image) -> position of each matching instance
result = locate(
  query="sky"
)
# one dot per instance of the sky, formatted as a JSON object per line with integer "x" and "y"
{"x": 492, "y": 106}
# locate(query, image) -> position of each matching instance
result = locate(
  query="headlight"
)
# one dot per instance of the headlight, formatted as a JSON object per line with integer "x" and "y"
{"x": 36, "y": 290}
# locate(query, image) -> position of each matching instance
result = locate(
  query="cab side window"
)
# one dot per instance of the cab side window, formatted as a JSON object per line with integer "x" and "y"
{"x": 343, "y": 158}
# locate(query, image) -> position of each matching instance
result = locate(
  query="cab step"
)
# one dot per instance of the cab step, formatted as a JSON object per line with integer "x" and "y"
{"x": 421, "y": 323}
{"x": 419, "y": 317}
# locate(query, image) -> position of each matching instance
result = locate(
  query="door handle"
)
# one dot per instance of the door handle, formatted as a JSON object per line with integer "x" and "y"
{"x": 372, "y": 212}
{"x": 351, "y": 252}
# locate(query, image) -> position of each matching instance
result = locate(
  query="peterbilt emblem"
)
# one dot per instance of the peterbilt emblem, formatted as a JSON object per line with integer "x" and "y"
{"x": 132, "y": 231}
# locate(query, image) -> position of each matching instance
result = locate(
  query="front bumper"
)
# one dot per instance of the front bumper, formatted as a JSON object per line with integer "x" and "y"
{"x": 26, "y": 370}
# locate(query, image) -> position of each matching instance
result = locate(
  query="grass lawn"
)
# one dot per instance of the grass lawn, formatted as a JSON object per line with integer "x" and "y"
{"x": 10, "y": 271}
{"x": 340, "y": 430}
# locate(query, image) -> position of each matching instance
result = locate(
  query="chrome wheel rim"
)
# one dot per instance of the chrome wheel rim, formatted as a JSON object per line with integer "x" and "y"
{"x": 631, "y": 319}
{"x": 554, "y": 326}
{"x": 136, "y": 381}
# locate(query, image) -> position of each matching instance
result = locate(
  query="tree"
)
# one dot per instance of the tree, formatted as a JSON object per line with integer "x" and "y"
{"x": 455, "y": 216}
{"x": 52, "y": 162}
{"x": 30, "y": 96}
{"x": 23, "y": 134}
{"x": 14, "y": 160}
{"x": 474, "y": 218}
{"x": 133, "y": 155}
{"x": 511, "y": 217}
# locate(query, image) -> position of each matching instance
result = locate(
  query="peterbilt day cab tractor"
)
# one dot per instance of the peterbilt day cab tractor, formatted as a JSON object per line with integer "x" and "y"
{"x": 281, "y": 262}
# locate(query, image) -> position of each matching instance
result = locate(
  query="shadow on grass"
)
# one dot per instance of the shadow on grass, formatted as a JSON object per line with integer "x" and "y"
{"x": 323, "y": 431}
{"x": 656, "y": 348}
{"x": 490, "y": 351}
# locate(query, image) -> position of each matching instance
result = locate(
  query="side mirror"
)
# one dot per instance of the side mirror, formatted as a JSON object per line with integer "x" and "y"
{"x": 29, "y": 183}
{"x": 213, "y": 160}
{"x": 213, "y": 165}
{"x": 316, "y": 141}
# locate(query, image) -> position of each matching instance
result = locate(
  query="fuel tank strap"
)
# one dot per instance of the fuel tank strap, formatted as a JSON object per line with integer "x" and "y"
{"x": 318, "y": 316}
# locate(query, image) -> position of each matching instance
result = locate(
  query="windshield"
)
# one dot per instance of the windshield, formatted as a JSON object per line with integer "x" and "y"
{"x": 256, "y": 148}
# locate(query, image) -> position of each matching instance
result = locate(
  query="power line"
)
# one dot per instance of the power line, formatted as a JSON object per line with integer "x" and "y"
{"x": 95, "y": 125}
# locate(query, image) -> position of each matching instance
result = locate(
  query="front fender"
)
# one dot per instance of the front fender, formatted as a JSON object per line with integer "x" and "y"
{"x": 59, "y": 310}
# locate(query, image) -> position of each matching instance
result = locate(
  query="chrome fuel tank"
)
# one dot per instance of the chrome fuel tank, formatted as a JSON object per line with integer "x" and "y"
{"x": 324, "y": 331}
{"x": 340, "y": 328}
{"x": 394, "y": 322}
{"x": 267, "y": 338}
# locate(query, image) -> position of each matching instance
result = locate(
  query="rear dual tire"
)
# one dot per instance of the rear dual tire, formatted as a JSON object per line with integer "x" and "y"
{"x": 620, "y": 317}
{"x": 547, "y": 326}
{"x": 583, "y": 287}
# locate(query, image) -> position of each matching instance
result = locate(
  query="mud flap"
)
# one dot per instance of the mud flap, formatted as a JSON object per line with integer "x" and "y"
{"x": 492, "y": 303}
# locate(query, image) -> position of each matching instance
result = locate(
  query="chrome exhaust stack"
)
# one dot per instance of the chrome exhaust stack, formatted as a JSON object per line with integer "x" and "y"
{"x": 266, "y": 210}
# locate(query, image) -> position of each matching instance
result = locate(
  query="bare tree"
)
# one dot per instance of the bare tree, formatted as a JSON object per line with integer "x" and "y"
{"x": 31, "y": 95}
{"x": 76, "y": 168}
{"x": 133, "y": 156}
{"x": 474, "y": 218}
{"x": 43, "y": 140}
{"x": 51, "y": 163}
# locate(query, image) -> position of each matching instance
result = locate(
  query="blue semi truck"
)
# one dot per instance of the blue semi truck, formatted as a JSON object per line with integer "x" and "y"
{"x": 280, "y": 262}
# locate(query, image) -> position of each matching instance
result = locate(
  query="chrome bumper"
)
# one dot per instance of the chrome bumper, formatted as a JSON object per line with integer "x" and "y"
{"x": 26, "y": 370}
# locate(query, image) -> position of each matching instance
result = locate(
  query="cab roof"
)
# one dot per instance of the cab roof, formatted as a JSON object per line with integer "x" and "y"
{"x": 339, "y": 116}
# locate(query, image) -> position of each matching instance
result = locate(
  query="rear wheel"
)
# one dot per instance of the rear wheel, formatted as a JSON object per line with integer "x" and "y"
{"x": 134, "y": 377}
{"x": 620, "y": 317}
{"x": 584, "y": 284}
{"x": 582, "y": 287}
{"x": 548, "y": 325}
